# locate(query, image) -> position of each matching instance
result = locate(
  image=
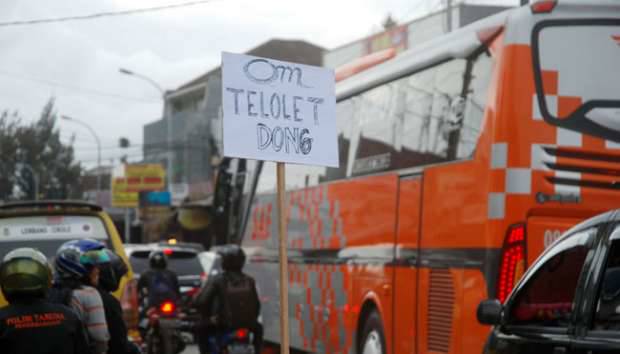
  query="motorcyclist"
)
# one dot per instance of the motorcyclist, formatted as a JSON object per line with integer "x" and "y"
{"x": 30, "y": 324}
{"x": 158, "y": 284}
{"x": 228, "y": 301}
{"x": 77, "y": 274}
{"x": 110, "y": 276}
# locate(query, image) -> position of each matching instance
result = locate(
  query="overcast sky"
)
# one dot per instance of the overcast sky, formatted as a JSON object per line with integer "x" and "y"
{"x": 77, "y": 62}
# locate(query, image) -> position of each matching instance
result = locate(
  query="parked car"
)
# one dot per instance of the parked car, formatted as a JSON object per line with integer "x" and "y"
{"x": 569, "y": 299}
{"x": 47, "y": 224}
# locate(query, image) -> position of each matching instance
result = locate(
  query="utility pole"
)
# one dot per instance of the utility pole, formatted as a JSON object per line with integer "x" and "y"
{"x": 92, "y": 131}
{"x": 449, "y": 15}
{"x": 35, "y": 179}
{"x": 167, "y": 117}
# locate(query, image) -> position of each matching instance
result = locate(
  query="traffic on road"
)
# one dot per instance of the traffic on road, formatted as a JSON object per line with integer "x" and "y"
{"x": 447, "y": 184}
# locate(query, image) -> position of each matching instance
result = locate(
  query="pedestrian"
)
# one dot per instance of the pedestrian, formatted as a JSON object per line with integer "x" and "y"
{"x": 30, "y": 324}
{"x": 110, "y": 275}
{"x": 77, "y": 275}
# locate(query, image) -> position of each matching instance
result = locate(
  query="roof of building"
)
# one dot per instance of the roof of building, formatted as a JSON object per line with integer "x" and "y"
{"x": 297, "y": 51}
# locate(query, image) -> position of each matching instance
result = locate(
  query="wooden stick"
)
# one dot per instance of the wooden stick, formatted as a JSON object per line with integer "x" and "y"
{"x": 282, "y": 219}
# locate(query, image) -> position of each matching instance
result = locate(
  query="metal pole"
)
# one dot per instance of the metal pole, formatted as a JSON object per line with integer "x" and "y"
{"x": 169, "y": 167}
{"x": 98, "y": 149}
{"x": 449, "y": 15}
{"x": 127, "y": 225}
{"x": 165, "y": 116}
{"x": 35, "y": 179}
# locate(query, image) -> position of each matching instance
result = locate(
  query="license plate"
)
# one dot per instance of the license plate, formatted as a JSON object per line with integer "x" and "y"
{"x": 240, "y": 349}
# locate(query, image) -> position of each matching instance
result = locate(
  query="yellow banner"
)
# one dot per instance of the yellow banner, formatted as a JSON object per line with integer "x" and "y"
{"x": 142, "y": 177}
{"x": 120, "y": 197}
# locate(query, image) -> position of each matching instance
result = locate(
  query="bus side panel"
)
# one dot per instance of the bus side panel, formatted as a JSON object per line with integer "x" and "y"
{"x": 366, "y": 208}
{"x": 405, "y": 273}
{"x": 348, "y": 220}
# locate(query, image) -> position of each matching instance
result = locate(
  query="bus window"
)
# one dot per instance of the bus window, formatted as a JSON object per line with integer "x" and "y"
{"x": 475, "y": 102}
{"x": 574, "y": 91}
{"x": 401, "y": 124}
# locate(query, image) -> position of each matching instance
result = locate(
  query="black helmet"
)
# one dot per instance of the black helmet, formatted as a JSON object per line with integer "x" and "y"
{"x": 157, "y": 260}
{"x": 111, "y": 273}
{"x": 25, "y": 272}
{"x": 233, "y": 258}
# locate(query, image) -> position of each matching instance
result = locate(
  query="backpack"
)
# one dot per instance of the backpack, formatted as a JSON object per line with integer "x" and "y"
{"x": 240, "y": 305}
{"x": 160, "y": 289}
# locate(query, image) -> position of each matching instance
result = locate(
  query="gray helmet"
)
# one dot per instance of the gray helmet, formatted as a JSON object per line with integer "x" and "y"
{"x": 25, "y": 272}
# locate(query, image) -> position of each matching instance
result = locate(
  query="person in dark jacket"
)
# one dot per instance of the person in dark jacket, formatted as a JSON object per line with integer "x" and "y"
{"x": 30, "y": 324}
{"x": 158, "y": 284}
{"x": 228, "y": 301}
{"x": 110, "y": 275}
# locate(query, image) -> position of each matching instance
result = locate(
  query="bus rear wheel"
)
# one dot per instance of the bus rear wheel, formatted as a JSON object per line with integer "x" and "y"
{"x": 373, "y": 338}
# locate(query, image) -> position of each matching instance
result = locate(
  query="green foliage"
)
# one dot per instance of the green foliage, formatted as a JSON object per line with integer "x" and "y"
{"x": 37, "y": 145}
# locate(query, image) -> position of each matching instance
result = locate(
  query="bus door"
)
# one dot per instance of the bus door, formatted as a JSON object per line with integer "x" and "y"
{"x": 406, "y": 272}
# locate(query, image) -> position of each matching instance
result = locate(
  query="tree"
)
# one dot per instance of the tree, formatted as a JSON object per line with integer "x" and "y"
{"x": 38, "y": 146}
{"x": 9, "y": 123}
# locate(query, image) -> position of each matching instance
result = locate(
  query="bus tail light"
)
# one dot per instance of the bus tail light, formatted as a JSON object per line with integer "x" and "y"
{"x": 543, "y": 6}
{"x": 513, "y": 261}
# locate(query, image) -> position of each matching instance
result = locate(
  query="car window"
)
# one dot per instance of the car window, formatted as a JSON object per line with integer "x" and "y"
{"x": 182, "y": 263}
{"x": 546, "y": 299}
{"x": 47, "y": 233}
{"x": 607, "y": 314}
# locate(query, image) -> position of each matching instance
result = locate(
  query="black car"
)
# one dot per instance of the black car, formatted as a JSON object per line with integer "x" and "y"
{"x": 569, "y": 299}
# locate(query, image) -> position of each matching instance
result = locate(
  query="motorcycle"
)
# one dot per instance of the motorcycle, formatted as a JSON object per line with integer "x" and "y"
{"x": 162, "y": 333}
{"x": 232, "y": 342}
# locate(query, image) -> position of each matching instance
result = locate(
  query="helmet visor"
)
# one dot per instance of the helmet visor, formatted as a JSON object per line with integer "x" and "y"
{"x": 24, "y": 275}
{"x": 94, "y": 257}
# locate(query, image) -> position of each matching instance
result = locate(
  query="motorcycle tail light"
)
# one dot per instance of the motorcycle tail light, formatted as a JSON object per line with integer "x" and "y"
{"x": 241, "y": 333}
{"x": 167, "y": 307}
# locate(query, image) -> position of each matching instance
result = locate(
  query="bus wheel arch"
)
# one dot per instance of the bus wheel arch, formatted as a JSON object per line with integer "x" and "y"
{"x": 370, "y": 331}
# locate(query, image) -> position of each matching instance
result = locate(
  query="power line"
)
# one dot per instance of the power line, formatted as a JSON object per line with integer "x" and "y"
{"x": 84, "y": 90}
{"x": 103, "y": 14}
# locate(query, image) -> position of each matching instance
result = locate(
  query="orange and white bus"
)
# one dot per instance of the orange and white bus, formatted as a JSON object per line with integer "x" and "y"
{"x": 460, "y": 161}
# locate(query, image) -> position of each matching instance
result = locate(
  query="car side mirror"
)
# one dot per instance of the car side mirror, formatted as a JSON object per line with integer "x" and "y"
{"x": 490, "y": 312}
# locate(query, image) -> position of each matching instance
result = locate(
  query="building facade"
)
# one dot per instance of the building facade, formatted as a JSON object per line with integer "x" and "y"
{"x": 196, "y": 121}
{"x": 410, "y": 34}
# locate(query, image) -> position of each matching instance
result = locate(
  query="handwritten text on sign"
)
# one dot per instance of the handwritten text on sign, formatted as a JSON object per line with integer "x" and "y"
{"x": 278, "y": 111}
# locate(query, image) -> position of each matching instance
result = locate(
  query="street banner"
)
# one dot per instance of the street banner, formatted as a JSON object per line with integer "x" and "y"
{"x": 283, "y": 112}
{"x": 121, "y": 198}
{"x": 144, "y": 177}
{"x": 278, "y": 111}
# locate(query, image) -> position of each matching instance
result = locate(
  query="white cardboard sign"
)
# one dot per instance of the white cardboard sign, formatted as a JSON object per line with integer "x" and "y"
{"x": 278, "y": 111}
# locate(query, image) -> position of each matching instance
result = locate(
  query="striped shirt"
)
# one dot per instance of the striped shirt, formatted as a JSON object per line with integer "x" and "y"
{"x": 87, "y": 302}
